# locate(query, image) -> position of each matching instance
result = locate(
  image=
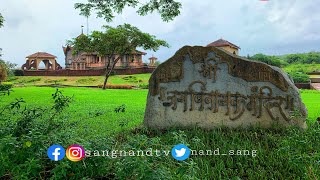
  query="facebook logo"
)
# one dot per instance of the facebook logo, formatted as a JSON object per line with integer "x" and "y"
{"x": 56, "y": 152}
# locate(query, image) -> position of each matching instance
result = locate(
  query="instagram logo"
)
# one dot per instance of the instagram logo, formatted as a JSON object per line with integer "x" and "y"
{"x": 75, "y": 152}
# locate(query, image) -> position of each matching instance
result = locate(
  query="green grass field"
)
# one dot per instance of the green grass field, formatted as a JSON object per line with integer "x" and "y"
{"x": 93, "y": 108}
{"x": 133, "y": 80}
{"x": 92, "y": 122}
{"x": 90, "y": 100}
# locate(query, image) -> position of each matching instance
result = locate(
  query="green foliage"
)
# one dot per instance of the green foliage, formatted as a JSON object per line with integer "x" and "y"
{"x": 3, "y": 72}
{"x": 121, "y": 108}
{"x": 18, "y": 72}
{"x": 60, "y": 101}
{"x": 306, "y": 58}
{"x": 25, "y": 134}
{"x": 5, "y": 88}
{"x": 121, "y": 40}
{"x": 285, "y": 60}
{"x": 299, "y": 77}
{"x": 271, "y": 60}
{"x": 106, "y": 9}
{"x": 144, "y": 86}
{"x": 132, "y": 79}
{"x": 303, "y": 68}
{"x": 6, "y": 66}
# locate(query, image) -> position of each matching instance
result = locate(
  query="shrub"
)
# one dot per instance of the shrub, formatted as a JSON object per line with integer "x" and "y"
{"x": 144, "y": 86}
{"x": 5, "y": 86}
{"x": 18, "y": 72}
{"x": 132, "y": 79}
{"x": 299, "y": 77}
{"x": 3, "y": 72}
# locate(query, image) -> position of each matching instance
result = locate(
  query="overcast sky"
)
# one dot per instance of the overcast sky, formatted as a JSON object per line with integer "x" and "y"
{"x": 274, "y": 27}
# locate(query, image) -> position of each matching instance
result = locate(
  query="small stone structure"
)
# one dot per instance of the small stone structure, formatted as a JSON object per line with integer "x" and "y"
{"x": 209, "y": 87}
{"x": 152, "y": 61}
{"x": 33, "y": 61}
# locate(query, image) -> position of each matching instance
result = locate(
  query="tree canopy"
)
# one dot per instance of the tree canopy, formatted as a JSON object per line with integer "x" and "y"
{"x": 168, "y": 9}
{"x": 114, "y": 43}
{"x": 271, "y": 60}
{"x": 281, "y": 61}
{"x": 120, "y": 40}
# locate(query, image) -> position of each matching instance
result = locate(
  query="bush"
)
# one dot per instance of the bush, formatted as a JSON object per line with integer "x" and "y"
{"x": 299, "y": 77}
{"x": 132, "y": 79}
{"x": 5, "y": 86}
{"x": 144, "y": 86}
{"x": 18, "y": 72}
{"x": 3, "y": 72}
{"x": 27, "y": 133}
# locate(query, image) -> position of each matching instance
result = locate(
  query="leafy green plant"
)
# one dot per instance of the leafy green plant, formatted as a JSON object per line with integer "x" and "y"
{"x": 299, "y": 77}
{"x": 121, "y": 108}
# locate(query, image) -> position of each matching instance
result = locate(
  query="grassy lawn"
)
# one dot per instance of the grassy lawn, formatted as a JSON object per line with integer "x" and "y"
{"x": 92, "y": 108}
{"x": 91, "y": 100}
{"x": 92, "y": 122}
{"x": 311, "y": 99}
{"x": 133, "y": 80}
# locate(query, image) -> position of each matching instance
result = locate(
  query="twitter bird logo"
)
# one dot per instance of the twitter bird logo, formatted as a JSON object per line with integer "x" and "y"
{"x": 180, "y": 152}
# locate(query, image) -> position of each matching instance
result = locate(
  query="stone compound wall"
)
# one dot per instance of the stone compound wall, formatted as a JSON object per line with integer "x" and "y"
{"x": 209, "y": 87}
{"x": 99, "y": 72}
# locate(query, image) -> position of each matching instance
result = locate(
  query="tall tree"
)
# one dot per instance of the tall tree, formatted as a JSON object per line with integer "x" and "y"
{"x": 168, "y": 9}
{"x": 3, "y": 69}
{"x": 1, "y": 20}
{"x": 115, "y": 43}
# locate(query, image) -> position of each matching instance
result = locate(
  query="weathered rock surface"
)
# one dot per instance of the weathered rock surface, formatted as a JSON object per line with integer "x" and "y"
{"x": 209, "y": 87}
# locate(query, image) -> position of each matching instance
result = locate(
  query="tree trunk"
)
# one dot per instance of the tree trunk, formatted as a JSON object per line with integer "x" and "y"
{"x": 105, "y": 81}
{"x": 108, "y": 72}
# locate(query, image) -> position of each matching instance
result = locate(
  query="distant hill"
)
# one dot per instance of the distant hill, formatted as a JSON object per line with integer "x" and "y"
{"x": 285, "y": 60}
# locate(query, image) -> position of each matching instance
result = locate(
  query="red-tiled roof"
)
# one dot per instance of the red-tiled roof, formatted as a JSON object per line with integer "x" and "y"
{"x": 41, "y": 55}
{"x": 221, "y": 43}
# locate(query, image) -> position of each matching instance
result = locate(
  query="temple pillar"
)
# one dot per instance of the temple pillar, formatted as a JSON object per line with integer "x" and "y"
{"x": 53, "y": 61}
{"x": 37, "y": 64}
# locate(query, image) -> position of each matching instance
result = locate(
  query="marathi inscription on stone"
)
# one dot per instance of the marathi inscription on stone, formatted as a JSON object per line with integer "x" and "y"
{"x": 209, "y": 87}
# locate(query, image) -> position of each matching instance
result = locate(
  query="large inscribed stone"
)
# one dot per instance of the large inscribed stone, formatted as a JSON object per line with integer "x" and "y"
{"x": 209, "y": 87}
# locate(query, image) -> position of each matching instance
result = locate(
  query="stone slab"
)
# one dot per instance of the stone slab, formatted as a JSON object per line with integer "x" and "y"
{"x": 209, "y": 87}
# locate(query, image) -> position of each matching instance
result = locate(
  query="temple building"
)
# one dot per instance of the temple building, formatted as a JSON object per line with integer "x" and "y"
{"x": 225, "y": 45}
{"x": 88, "y": 61}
